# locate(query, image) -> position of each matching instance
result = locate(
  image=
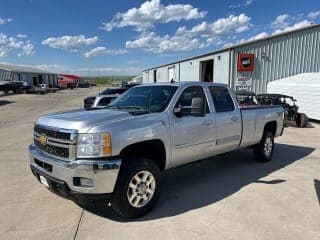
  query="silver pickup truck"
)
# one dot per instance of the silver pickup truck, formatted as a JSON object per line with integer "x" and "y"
{"x": 117, "y": 154}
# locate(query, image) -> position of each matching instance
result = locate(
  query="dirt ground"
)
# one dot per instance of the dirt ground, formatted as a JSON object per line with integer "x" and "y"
{"x": 226, "y": 197}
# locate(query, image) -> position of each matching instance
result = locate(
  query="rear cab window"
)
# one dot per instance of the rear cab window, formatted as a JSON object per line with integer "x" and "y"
{"x": 222, "y": 99}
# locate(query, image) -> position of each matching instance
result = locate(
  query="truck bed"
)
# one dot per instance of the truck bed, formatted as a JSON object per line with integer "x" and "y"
{"x": 254, "y": 118}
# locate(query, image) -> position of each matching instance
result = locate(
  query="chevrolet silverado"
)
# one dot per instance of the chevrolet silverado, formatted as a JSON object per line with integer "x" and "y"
{"x": 119, "y": 153}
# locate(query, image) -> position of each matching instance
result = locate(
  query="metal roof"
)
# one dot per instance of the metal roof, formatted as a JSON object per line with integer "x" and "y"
{"x": 24, "y": 69}
{"x": 236, "y": 46}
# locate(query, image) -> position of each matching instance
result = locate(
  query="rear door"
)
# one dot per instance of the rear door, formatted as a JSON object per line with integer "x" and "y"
{"x": 192, "y": 137}
{"x": 227, "y": 119}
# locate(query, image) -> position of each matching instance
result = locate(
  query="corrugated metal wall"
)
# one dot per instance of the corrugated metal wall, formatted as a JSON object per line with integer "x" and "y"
{"x": 50, "y": 79}
{"x": 280, "y": 57}
{"x": 5, "y": 75}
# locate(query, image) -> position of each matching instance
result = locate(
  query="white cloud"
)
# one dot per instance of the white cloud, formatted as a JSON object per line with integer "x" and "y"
{"x": 298, "y": 25}
{"x": 281, "y": 21}
{"x": 248, "y": 2}
{"x": 258, "y": 36}
{"x": 254, "y": 38}
{"x": 22, "y": 36}
{"x": 8, "y": 44}
{"x": 56, "y": 68}
{"x": 27, "y": 49}
{"x": 244, "y": 40}
{"x": 242, "y": 4}
{"x": 223, "y": 26}
{"x": 5, "y": 20}
{"x": 151, "y": 12}
{"x": 313, "y": 15}
{"x": 199, "y": 36}
{"x": 103, "y": 51}
{"x": 70, "y": 43}
{"x": 108, "y": 71}
{"x": 158, "y": 44}
{"x": 286, "y": 23}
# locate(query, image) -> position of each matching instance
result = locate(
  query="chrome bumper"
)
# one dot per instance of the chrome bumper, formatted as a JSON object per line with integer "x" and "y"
{"x": 104, "y": 173}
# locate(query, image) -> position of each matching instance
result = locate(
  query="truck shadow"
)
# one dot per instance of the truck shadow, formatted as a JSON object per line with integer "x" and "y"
{"x": 317, "y": 187}
{"x": 5, "y": 102}
{"x": 211, "y": 180}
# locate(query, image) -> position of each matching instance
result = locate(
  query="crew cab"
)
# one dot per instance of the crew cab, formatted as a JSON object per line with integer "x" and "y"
{"x": 119, "y": 153}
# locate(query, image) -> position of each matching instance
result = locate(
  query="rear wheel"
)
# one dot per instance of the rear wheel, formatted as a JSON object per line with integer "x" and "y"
{"x": 137, "y": 188}
{"x": 263, "y": 151}
{"x": 302, "y": 120}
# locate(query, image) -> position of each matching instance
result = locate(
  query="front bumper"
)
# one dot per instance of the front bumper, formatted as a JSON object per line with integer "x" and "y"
{"x": 65, "y": 174}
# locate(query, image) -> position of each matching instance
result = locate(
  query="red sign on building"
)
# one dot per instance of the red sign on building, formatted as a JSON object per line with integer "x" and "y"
{"x": 245, "y": 62}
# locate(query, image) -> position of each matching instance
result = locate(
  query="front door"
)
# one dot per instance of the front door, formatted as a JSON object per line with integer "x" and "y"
{"x": 192, "y": 137}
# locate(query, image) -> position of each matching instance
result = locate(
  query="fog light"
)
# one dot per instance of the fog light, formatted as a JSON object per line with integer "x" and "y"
{"x": 83, "y": 182}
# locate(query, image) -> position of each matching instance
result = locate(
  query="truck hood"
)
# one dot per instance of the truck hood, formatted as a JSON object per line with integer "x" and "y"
{"x": 82, "y": 120}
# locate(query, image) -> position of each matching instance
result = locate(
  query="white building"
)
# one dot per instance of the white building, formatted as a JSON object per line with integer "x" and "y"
{"x": 31, "y": 76}
{"x": 251, "y": 65}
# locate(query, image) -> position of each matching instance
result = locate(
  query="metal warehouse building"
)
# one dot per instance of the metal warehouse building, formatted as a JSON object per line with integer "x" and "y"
{"x": 248, "y": 66}
{"x": 31, "y": 76}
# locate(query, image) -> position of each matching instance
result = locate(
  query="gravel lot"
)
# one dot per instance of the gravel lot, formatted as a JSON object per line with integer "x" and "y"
{"x": 229, "y": 197}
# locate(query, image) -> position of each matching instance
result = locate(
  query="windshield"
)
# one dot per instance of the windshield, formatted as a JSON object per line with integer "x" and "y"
{"x": 145, "y": 98}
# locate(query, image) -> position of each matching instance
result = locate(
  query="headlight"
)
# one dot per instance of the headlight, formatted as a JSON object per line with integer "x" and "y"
{"x": 94, "y": 145}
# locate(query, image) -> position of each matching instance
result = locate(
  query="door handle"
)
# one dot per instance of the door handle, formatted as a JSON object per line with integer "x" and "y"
{"x": 208, "y": 123}
{"x": 234, "y": 118}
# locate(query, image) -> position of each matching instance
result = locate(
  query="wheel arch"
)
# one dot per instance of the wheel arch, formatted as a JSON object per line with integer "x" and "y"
{"x": 151, "y": 149}
{"x": 270, "y": 127}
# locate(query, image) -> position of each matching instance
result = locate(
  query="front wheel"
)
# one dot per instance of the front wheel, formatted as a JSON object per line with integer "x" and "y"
{"x": 263, "y": 151}
{"x": 137, "y": 188}
{"x": 302, "y": 120}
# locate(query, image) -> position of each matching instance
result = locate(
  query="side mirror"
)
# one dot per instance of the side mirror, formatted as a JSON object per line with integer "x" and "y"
{"x": 178, "y": 111}
{"x": 197, "y": 106}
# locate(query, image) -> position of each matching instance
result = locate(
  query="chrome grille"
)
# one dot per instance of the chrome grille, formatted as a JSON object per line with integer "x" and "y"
{"x": 52, "y": 133}
{"x": 61, "y": 143}
{"x": 53, "y": 150}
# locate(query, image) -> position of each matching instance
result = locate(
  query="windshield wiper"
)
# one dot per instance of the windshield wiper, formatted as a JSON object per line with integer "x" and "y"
{"x": 112, "y": 107}
{"x": 139, "y": 112}
{"x": 132, "y": 107}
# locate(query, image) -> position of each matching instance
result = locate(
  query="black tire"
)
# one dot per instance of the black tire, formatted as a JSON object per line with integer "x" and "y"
{"x": 302, "y": 120}
{"x": 261, "y": 151}
{"x": 120, "y": 198}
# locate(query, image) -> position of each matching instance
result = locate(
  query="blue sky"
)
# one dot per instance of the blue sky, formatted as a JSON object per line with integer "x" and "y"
{"x": 124, "y": 37}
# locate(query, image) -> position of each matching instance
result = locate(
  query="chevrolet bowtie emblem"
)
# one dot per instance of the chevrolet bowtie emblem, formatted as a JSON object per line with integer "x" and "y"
{"x": 43, "y": 139}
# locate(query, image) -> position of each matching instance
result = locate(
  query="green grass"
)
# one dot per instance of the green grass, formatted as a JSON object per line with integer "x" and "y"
{"x": 108, "y": 80}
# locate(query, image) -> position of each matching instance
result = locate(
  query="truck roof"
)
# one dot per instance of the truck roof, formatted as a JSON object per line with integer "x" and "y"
{"x": 184, "y": 83}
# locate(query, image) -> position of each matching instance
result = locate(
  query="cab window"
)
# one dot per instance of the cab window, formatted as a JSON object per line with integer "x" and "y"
{"x": 221, "y": 99}
{"x": 185, "y": 100}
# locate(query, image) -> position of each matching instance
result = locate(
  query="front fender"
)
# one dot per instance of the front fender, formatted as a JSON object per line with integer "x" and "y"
{"x": 138, "y": 129}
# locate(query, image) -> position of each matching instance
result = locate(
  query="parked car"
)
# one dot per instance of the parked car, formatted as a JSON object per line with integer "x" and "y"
{"x": 104, "y": 98}
{"x": 118, "y": 154}
{"x": 13, "y": 86}
{"x": 246, "y": 98}
{"x": 291, "y": 113}
{"x": 83, "y": 84}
